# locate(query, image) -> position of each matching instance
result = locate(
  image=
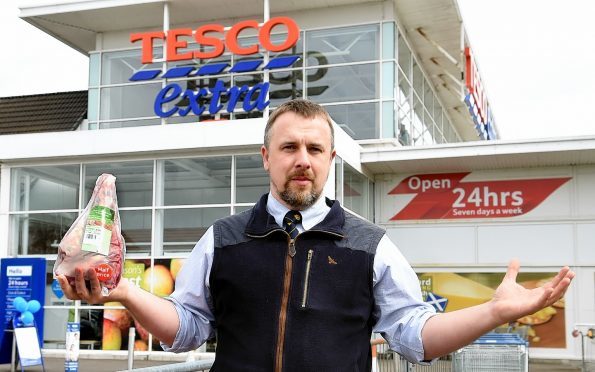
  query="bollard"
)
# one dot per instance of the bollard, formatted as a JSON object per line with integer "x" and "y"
{"x": 131, "y": 336}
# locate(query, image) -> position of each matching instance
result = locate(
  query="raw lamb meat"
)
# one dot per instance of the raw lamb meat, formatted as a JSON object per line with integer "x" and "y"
{"x": 95, "y": 240}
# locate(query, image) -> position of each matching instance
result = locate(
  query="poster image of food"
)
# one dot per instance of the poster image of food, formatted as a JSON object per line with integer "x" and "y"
{"x": 453, "y": 291}
{"x": 158, "y": 279}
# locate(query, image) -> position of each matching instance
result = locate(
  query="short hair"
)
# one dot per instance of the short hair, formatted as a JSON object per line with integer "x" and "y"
{"x": 302, "y": 107}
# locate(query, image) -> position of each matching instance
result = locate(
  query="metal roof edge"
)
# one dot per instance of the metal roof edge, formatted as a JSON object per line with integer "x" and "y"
{"x": 478, "y": 148}
{"x": 34, "y": 8}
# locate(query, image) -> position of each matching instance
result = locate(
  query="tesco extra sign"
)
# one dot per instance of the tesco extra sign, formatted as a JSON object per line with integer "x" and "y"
{"x": 476, "y": 99}
{"x": 212, "y": 40}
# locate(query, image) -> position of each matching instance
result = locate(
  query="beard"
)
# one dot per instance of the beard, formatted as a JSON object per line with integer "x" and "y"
{"x": 299, "y": 199}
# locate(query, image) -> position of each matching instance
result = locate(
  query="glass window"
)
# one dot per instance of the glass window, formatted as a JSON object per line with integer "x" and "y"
{"x": 344, "y": 83}
{"x": 248, "y": 81}
{"x": 388, "y": 40}
{"x": 40, "y": 233}
{"x": 252, "y": 181}
{"x": 134, "y": 181}
{"x": 54, "y": 327}
{"x": 94, "y": 69}
{"x": 136, "y": 230}
{"x": 45, "y": 188}
{"x": 437, "y": 113}
{"x": 418, "y": 126}
{"x": 404, "y": 57}
{"x": 431, "y": 128}
{"x": 356, "y": 191}
{"x": 248, "y": 115}
{"x": 388, "y": 80}
{"x": 447, "y": 133}
{"x": 428, "y": 139}
{"x": 129, "y": 123}
{"x": 93, "y": 105}
{"x": 184, "y": 227}
{"x": 404, "y": 86}
{"x": 197, "y": 181}
{"x": 276, "y": 39}
{"x": 388, "y": 119}
{"x": 285, "y": 85}
{"x": 405, "y": 123}
{"x": 339, "y": 179}
{"x": 118, "y": 67}
{"x": 130, "y": 101}
{"x": 359, "y": 120}
{"x": 343, "y": 45}
{"x": 418, "y": 81}
{"x": 198, "y": 62}
{"x": 186, "y": 119}
{"x": 428, "y": 97}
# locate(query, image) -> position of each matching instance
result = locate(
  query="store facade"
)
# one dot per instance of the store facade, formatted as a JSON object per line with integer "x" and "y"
{"x": 185, "y": 155}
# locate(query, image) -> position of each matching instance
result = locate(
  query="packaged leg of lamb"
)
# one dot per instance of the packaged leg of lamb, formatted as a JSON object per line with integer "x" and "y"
{"x": 95, "y": 239}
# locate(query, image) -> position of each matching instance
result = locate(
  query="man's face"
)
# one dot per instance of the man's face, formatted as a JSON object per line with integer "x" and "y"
{"x": 298, "y": 159}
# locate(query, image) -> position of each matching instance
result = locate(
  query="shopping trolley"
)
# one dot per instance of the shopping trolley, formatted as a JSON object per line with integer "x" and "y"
{"x": 493, "y": 352}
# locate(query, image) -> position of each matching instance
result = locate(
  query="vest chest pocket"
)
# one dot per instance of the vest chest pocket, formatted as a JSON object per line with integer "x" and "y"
{"x": 331, "y": 279}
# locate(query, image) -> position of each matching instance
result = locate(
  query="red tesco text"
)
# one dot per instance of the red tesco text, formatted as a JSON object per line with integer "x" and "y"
{"x": 210, "y": 36}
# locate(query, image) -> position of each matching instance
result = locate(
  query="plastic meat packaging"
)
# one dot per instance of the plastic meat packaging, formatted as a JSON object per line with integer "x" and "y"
{"x": 95, "y": 240}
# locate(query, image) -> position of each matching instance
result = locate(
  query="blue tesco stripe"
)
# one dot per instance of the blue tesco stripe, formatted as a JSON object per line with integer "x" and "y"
{"x": 212, "y": 69}
{"x": 246, "y": 66}
{"x": 177, "y": 72}
{"x": 145, "y": 75}
{"x": 281, "y": 62}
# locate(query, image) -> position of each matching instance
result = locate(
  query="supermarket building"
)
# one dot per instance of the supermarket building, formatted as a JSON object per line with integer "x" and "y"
{"x": 418, "y": 153}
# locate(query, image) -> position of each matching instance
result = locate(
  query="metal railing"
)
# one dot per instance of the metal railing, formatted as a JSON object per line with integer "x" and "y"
{"x": 386, "y": 360}
{"x": 197, "y": 365}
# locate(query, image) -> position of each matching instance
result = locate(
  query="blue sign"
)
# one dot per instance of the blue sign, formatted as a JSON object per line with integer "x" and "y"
{"x": 20, "y": 277}
{"x": 485, "y": 130}
{"x": 174, "y": 99}
{"x": 57, "y": 289}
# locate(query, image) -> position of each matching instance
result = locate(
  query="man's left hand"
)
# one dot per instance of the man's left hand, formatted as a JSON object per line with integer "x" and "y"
{"x": 512, "y": 301}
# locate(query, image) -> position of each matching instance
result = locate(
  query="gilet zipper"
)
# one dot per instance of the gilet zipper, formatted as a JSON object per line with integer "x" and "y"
{"x": 279, "y": 350}
{"x": 307, "y": 277}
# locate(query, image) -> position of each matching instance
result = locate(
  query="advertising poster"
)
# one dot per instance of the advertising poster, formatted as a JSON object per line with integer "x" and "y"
{"x": 158, "y": 279}
{"x": 453, "y": 291}
{"x": 73, "y": 337}
{"x": 459, "y": 195}
{"x": 20, "y": 277}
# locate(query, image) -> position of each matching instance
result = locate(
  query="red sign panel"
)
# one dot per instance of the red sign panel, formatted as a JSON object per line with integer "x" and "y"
{"x": 446, "y": 196}
{"x": 475, "y": 86}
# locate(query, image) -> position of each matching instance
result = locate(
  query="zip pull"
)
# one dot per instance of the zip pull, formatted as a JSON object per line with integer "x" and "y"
{"x": 292, "y": 247}
{"x": 307, "y": 277}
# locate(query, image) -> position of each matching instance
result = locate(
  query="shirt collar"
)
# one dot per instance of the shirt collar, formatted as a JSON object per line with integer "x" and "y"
{"x": 311, "y": 216}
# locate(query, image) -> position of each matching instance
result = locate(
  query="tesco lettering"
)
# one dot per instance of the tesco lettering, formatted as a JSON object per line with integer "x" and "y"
{"x": 217, "y": 38}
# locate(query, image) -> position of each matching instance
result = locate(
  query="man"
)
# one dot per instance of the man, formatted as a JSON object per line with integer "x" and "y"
{"x": 297, "y": 284}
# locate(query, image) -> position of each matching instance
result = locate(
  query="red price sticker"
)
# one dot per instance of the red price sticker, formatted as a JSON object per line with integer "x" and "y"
{"x": 104, "y": 272}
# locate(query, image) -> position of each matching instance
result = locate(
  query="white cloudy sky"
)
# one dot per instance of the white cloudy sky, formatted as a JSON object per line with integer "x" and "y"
{"x": 536, "y": 58}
